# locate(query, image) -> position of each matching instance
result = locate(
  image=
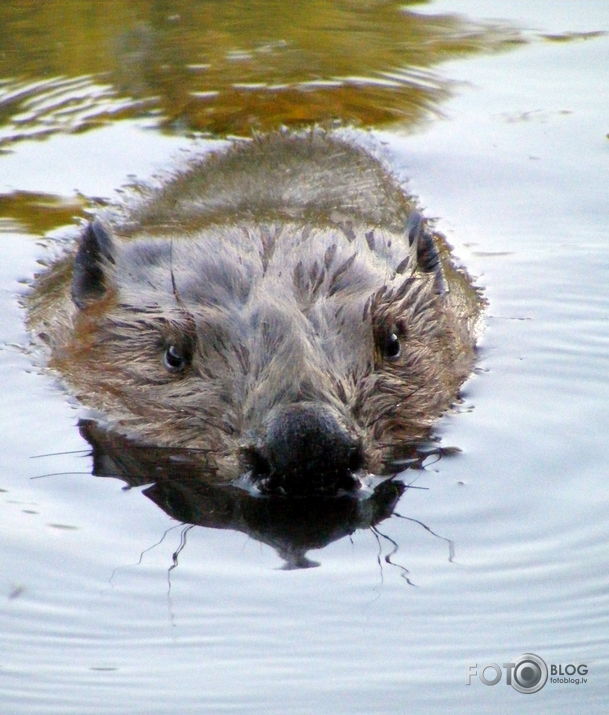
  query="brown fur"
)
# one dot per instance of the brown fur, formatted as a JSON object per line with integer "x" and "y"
{"x": 280, "y": 267}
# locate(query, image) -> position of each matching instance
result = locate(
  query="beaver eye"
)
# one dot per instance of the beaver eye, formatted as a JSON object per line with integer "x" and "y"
{"x": 392, "y": 347}
{"x": 174, "y": 358}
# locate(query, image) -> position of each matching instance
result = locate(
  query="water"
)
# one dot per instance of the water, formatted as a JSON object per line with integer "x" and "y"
{"x": 509, "y": 149}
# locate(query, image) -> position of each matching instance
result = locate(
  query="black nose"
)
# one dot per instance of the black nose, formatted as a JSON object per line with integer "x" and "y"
{"x": 305, "y": 450}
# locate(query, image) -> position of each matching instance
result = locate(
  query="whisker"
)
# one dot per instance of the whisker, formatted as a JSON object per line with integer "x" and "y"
{"x": 85, "y": 452}
{"x": 450, "y": 542}
{"x": 61, "y": 474}
{"x": 395, "y": 547}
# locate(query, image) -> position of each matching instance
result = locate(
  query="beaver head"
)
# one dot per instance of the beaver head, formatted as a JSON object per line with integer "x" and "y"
{"x": 301, "y": 350}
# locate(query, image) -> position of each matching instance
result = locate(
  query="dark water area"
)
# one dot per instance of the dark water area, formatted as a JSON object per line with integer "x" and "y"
{"x": 121, "y": 595}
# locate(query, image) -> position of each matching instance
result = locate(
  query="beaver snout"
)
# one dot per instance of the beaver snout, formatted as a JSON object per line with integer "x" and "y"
{"x": 303, "y": 451}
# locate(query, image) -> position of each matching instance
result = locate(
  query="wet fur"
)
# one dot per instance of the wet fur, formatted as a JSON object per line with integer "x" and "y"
{"x": 280, "y": 265}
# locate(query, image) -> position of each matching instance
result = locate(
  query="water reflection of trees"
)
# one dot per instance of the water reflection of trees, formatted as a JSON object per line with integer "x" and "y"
{"x": 225, "y": 66}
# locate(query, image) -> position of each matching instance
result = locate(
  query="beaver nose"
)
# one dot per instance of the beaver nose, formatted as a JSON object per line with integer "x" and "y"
{"x": 305, "y": 451}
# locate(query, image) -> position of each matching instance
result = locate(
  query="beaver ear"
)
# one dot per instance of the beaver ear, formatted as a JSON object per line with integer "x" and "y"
{"x": 428, "y": 258}
{"x": 89, "y": 279}
{"x": 414, "y": 227}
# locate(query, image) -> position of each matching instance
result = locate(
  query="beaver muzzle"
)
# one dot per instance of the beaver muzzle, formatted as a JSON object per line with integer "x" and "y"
{"x": 304, "y": 450}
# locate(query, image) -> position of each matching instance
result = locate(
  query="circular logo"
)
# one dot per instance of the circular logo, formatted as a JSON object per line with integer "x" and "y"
{"x": 530, "y": 673}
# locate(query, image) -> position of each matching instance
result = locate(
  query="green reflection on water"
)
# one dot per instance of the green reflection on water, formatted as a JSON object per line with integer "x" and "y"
{"x": 220, "y": 67}
{"x": 37, "y": 213}
{"x": 225, "y": 66}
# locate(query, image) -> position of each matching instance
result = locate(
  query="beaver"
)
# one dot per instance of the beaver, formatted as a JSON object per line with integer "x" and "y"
{"x": 279, "y": 306}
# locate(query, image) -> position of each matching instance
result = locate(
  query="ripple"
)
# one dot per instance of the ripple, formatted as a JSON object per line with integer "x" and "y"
{"x": 214, "y": 70}
{"x": 36, "y": 109}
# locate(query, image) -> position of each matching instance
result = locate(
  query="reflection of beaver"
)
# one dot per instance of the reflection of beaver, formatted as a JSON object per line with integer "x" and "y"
{"x": 279, "y": 305}
{"x": 181, "y": 486}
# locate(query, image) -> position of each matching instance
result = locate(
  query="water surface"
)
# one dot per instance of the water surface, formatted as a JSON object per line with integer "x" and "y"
{"x": 497, "y": 115}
